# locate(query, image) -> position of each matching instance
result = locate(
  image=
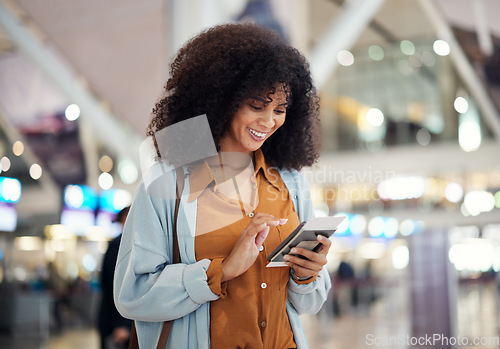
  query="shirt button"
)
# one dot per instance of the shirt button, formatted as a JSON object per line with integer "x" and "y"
{"x": 254, "y": 186}
{"x": 261, "y": 248}
{"x": 263, "y": 324}
{"x": 251, "y": 214}
{"x": 263, "y": 285}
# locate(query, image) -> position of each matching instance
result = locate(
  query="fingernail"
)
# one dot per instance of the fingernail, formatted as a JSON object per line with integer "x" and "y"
{"x": 294, "y": 250}
{"x": 286, "y": 257}
{"x": 283, "y": 220}
{"x": 274, "y": 223}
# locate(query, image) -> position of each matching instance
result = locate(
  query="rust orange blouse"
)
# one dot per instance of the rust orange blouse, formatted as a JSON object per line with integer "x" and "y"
{"x": 251, "y": 310}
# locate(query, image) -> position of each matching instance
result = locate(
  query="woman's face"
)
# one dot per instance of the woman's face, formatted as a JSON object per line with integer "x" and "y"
{"x": 255, "y": 121}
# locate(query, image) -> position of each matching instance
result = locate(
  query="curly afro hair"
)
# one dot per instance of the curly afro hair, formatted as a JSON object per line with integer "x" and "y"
{"x": 220, "y": 68}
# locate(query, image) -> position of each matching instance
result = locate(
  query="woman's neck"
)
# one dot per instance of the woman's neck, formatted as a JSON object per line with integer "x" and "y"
{"x": 228, "y": 165}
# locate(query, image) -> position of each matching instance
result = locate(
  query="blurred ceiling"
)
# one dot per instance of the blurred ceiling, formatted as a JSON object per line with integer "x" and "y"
{"x": 118, "y": 46}
{"x": 119, "y": 49}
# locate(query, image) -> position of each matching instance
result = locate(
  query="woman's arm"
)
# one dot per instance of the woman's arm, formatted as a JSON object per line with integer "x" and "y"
{"x": 147, "y": 286}
{"x": 305, "y": 297}
{"x": 309, "y": 298}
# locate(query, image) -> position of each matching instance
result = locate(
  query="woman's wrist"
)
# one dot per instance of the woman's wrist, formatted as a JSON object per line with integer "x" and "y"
{"x": 298, "y": 278}
{"x": 226, "y": 274}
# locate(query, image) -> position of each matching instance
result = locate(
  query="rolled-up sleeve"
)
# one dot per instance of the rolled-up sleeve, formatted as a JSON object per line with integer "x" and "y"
{"x": 309, "y": 298}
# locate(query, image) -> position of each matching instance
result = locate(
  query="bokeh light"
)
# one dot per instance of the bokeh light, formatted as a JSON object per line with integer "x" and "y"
{"x": 18, "y": 148}
{"x": 453, "y": 192}
{"x": 461, "y": 105}
{"x": 400, "y": 257}
{"x": 345, "y": 58}
{"x": 72, "y": 112}
{"x": 375, "y": 117}
{"x": 441, "y": 47}
{"x": 105, "y": 163}
{"x": 128, "y": 171}
{"x": 105, "y": 181}
{"x": 407, "y": 47}
{"x": 5, "y": 163}
{"x": 376, "y": 53}
{"x": 35, "y": 171}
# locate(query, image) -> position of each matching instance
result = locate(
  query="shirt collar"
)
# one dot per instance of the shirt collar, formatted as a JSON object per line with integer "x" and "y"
{"x": 202, "y": 176}
{"x": 269, "y": 172}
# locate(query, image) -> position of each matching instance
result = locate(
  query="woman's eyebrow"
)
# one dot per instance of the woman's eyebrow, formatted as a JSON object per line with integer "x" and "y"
{"x": 268, "y": 100}
{"x": 261, "y": 99}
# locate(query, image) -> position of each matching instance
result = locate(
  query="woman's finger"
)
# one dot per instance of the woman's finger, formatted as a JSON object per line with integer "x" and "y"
{"x": 316, "y": 264}
{"x": 318, "y": 256}
{"x": 261, "y": 236}
{"x": 303, "y": 272}
{"x": 260, "y": 221}
{"x": 325, "y": 244}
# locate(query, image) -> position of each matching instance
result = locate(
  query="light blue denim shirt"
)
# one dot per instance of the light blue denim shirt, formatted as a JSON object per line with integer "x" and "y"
{"x": 150, "y": 290}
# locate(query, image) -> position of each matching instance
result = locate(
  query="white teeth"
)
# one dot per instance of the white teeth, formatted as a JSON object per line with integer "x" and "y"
{"x": 257, "y": 134}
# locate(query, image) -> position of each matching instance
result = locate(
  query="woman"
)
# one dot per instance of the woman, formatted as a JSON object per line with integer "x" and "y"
{"x": 258, "y": 97}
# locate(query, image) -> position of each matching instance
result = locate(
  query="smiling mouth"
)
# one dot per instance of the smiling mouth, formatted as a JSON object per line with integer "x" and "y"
{"x": 258, "y": 135}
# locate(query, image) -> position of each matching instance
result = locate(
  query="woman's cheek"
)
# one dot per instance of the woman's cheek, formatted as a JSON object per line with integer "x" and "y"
{"x": 280, "y": 122}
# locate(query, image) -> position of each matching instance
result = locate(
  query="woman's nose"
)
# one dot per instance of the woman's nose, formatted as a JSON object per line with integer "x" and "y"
{"x": 267, "y": 119}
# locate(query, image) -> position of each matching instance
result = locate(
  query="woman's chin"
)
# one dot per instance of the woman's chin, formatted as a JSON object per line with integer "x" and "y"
{"x": 254, "y": 146}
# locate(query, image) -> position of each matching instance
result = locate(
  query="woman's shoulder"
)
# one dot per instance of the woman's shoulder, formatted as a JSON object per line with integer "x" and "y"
{"x": 158, "y": 184}
{"x": 293, "y": 176}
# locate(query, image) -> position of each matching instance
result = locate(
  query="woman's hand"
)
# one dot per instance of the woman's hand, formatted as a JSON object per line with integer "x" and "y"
{"x": 315, "y": 260}
{"x": 247, "y": 248}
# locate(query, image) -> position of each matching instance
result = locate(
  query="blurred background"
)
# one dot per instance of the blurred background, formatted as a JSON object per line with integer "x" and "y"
{"x": 410, "y": 101}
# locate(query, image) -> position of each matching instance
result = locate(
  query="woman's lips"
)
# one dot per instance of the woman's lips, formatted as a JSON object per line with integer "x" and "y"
{"x": 257, "y": 135}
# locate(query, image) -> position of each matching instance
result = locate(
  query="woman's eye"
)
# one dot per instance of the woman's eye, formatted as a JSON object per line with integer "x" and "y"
{"x": 280, "y": 111}
{"x": 255, "y": 107}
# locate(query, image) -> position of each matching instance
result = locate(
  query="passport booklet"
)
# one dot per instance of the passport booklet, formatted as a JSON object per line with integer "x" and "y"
{"x": 305, "y": 236}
